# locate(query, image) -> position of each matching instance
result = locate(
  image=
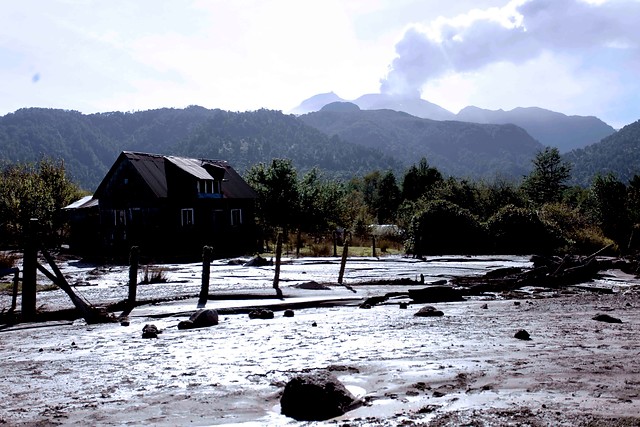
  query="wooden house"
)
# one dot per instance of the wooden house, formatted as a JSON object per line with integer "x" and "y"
{"x": 169, "y": 205}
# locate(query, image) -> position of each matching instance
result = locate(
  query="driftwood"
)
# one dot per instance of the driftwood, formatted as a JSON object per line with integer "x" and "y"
{"x": 548, "y": 272}
{"x": 89, "y": 313}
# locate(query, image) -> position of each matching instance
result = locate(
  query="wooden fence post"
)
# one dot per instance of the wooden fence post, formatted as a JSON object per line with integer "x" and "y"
{"x": 335, "y": 243}
{"x": 373, "y": 244}
{"x": 276, "y": 277}
{"x": 134, "y": 254}
{"x": 207, "y": 252}
{"x": 14, "y": 296}
{"x": 29, "y": 272}
{"x": 345, "y": 252}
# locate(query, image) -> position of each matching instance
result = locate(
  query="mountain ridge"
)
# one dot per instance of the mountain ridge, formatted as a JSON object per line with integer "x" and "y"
{"x": 550, "y": 128}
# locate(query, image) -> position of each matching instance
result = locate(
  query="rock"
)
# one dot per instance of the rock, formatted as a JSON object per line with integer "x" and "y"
{"x": 432, "y": 294}
{"x": 257, "y": 261}
{"x": 516, "y": 303}
{"x": 316, "y": 396}
{"x": 313, "y": 285}
{"x": 150, "y": 331}
{"x": 261, "y": 313}
{"x": 200, "y": 319}
{"x": 484, "y": 307}
{"x": 404, "y": 305}
{"x": 429, "y": 311}
{"x": 371, "y": 301}
{"x": 365, "y": 306}
{"x": 522, "y": 335}
{"x": 288, "y": 313}
{"x": 606, "y": 318}
{"x": 314, "y": 324}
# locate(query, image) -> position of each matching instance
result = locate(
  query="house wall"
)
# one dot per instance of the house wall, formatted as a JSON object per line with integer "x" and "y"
{"x": 131, "y": 216}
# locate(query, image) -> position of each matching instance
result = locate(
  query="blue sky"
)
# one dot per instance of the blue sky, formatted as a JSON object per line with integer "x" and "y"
{"x": 574, "y": 56}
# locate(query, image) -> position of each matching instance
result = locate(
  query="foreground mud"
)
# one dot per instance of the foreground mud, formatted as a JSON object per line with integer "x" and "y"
{"x": 464, "y": 368}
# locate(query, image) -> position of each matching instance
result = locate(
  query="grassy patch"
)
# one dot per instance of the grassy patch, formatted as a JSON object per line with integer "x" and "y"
{"x": 7, "y": 288}
{"x": 153, "y": 274}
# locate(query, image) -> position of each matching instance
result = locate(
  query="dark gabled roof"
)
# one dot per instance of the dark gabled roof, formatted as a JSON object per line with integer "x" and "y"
{"x": 151, "y": 168}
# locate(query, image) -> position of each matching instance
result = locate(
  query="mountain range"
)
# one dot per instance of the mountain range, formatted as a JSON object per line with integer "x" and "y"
{"x": 548, "y": 127}
{"x": 341, "y": 138}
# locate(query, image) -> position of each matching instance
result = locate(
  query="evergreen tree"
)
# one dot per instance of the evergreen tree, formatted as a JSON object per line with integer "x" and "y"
{"x": 547, "y": 181}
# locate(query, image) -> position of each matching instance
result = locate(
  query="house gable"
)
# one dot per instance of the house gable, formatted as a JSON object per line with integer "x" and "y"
{"x": 178, "y": 203}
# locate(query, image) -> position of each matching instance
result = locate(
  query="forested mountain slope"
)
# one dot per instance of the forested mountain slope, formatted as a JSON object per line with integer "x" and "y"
{"x": 618, "y": 154}
{"x": 549, "y": 127}
{"x": 89, "y": 144}
{"x": 468, "y": 150}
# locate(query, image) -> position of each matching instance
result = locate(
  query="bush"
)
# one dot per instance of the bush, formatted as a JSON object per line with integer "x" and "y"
{"x": 154, "y": 274}
{"x": 7, "y": 260}
{"x": 443, "y": 227}
{"x": 321, "y": 249}
{"x": 582, "y": 236}
{"x": 516, "y": 230}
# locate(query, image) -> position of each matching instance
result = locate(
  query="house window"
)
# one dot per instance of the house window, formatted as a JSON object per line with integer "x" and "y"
{"x": 187, "y": 217}
{"x": 120, "y": 217}
{"x": 236, "y": 216}
{"x": 208, "y": 186}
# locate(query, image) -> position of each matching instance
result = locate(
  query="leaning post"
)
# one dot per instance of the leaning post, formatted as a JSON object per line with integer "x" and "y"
{"x": 345, "y": 252}
{"x": 207, "y": 252}
{"x": 29, "y": 272}
{"x": 134, "y": 254}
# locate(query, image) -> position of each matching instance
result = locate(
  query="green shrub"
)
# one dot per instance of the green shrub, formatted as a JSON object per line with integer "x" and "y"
{"x": 7, "y": 260}
{"x": 321, "y": 249}
{"x": 581, "y": 235}
{"x": 154, "y": 274}
{"x": 443, "y": 227}
{"x": 516, "y": 230}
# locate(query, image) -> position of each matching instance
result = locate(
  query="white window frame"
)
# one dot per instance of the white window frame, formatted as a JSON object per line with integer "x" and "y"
{"x": 120, "y": 217}
{"x": 186, "y": 214}
{"x": 208, "y": 186}
{"x": 239, "y": 213}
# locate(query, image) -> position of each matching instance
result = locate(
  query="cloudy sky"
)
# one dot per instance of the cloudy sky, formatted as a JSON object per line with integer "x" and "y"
{"x": 574, "y": 56}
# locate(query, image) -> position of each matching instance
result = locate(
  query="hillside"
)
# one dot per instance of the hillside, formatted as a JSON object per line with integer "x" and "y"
{"x": 90, "y": 143}
{"x": 618, "y": 154}
{"x": 462, "y": 149}
{"x": 549, "y": 127}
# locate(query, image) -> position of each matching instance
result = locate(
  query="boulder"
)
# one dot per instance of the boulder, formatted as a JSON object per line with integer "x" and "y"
{"x": 522, "y": 335}
{"x": 429, "y": 311}
{"x": 606, "y": 318}
{"x": 432, "y": 294}
{"x": 316, "y": 396}
{"x": 261, "y": 313}
{"x": 150, "y": 331}
{"x": 313, "y": 286}
{"x": 257, "y": 261}
{"x": 200, "y": 319}
{"x": 288, "y": 313}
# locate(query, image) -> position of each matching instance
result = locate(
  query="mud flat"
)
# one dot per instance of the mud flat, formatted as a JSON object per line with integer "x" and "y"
{"x": 462, "y": 368}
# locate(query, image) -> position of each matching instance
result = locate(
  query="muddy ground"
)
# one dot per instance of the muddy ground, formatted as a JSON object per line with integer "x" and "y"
{"x": 464, "y": 368}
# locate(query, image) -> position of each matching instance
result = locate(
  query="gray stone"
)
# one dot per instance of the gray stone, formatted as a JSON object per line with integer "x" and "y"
{"x": 200, "y": 319}
{"x": 316, "y": 396}
{"x": 429, "y": 311}
{"x": 606, "y": 318}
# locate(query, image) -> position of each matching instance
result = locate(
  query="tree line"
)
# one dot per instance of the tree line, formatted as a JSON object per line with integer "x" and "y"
{"x": 447, "y": 215}
{"x": 437, "y": 214}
